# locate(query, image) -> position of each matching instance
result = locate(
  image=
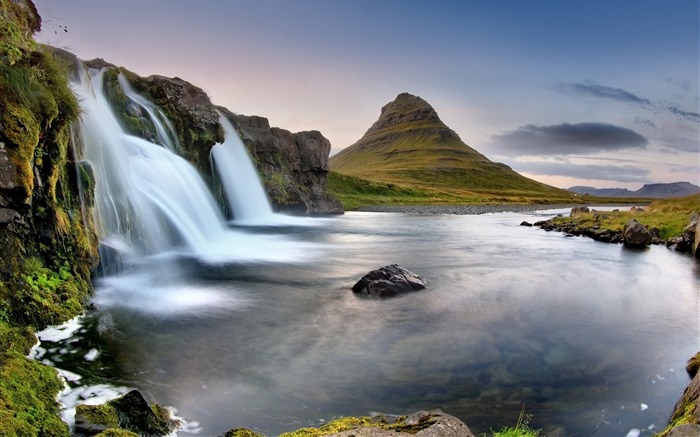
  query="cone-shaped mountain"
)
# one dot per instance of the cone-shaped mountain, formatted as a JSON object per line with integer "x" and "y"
{"x": 410, "y": 145}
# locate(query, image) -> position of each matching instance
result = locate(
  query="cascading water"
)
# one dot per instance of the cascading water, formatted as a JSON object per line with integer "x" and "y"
{"x": 150, "y": 201}
{"x": 244, "y": 192}
{"x": 164, "y": 128}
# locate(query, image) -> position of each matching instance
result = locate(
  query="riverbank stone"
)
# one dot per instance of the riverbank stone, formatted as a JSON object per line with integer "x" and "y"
{"x": 636, "y": 234}
{"x": 389, "y": 280}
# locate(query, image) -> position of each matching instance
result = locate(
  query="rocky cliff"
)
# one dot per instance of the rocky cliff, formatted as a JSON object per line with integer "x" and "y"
{"x": 292, "y": 166}
{"x": 46, "y": 234}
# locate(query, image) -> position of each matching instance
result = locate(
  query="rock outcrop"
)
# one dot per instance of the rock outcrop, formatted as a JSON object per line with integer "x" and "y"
{"x": 389, "y": 281}
{"x": 293, "y": 166}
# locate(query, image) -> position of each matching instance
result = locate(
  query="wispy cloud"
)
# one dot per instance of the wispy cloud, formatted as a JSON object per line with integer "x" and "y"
{"x": 566, "y": 139}
{"x": 624, "y": 96}
{"x": 692, "y": 116}
{"x": 619, "y": 173}
{"x": 644, "y": 122}
{"x": 602, "y": 92}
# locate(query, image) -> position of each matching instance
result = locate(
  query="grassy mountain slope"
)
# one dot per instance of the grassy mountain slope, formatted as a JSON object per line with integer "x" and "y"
{"x": 410, "y": 146}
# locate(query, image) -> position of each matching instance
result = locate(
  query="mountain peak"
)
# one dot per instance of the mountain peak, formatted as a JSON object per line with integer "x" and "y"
{"x": 405, "y": 108}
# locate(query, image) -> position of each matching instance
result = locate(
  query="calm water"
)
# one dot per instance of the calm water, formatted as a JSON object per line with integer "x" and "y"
{"x": 589, "y": 337}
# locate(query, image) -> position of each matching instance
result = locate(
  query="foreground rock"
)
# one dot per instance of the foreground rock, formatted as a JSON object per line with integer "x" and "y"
{"x": 433, "y": 423}
{"x": 130, "y": 412}
{"x": 389, "y": 281}
{"x": 685, "y": 420}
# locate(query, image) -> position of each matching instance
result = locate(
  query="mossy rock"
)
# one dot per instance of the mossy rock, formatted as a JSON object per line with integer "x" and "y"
{"x": 116, "y": 432}
{"x": 241, "y": 432}
{"x": 28, "y": 391}
{"x": 129, "y": 413}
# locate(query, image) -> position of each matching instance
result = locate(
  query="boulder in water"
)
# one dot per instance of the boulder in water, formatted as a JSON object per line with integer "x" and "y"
{"x": 636, "y": 234}
{"x": 389, "y": 281}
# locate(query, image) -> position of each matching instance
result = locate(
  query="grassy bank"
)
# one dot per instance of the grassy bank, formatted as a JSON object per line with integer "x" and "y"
{"x": 669, "y": 216}
{"x": 354, "y": 192}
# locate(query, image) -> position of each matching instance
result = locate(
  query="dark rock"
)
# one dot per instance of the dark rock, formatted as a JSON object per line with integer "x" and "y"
{"x": 525, "y": 223}
{"x": 576, "y": 210}
{"x": 635, "y": 234}
{"x": 696, "y": 243}
{"x": 389, "y": 281}
{"x": 685, "y": 430}
{"x": 293, "y": 166}
{"x": 131, "y": 412}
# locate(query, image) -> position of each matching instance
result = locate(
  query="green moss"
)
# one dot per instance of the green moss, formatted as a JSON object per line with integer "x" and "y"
{"x": 104, "y": 414}
{"x": 350, "y": 423}
{"x": 18, "y": 339}
{"x": 28, "y": 392}
{"x": 241, "y": 432}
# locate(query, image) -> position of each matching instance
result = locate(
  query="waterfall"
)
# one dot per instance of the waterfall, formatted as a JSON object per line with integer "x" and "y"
{"x": 244, "y": 192}
{"x": 150, "y": 201}
{"x": 164, "y": 128}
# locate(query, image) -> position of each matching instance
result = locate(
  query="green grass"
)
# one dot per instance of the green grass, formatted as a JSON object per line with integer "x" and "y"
{"x": 521, "y": 428}
{"x": 670, "y": 216}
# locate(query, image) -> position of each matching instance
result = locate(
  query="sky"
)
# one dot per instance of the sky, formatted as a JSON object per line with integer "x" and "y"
{"x": 601, "y": 93}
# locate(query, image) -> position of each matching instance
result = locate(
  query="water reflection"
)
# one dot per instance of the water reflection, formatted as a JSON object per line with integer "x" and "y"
{"x": 583, "y": 333}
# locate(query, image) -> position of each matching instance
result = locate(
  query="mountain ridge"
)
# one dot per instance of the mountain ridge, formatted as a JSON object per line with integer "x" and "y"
{"x": 661, "y": 190}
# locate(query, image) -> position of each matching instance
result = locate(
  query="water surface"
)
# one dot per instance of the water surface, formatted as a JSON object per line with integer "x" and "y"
{"x": 587, "y": 336}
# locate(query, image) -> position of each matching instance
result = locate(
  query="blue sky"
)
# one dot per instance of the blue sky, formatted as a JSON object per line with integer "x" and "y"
{"x": 602, "y": 93}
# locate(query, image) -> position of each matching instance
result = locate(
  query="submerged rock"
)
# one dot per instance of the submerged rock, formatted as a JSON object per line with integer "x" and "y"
{"x": 389, "y": 281}
{"x": 636, "y": 234}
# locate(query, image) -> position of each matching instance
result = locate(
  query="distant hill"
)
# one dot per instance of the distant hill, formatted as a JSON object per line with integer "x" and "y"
{"x": 675, "y": 189}
{"x": 410, "y": 146}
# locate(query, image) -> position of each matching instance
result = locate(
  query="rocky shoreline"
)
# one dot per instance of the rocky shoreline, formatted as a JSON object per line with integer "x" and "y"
{"x": 476, "y": 209}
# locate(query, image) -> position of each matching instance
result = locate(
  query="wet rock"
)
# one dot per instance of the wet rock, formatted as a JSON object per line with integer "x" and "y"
{"x": 525, "y": 223}
{"x": 696, "y": 243}
{"x": 131, "y": 412}
{"x": 635, "y": 234}
{"x": 685, "y": 420}
{"x": 389, "y": 281}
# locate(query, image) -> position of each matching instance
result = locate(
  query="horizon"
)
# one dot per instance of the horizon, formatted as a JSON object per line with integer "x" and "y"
{"x": 573, "y": 93}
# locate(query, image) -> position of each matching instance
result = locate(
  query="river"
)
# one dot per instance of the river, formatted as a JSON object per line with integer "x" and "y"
{"x": 587, "y": 337}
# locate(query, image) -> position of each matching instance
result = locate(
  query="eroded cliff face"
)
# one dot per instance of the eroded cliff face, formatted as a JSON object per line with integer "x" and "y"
{"x": 293, "y": 166}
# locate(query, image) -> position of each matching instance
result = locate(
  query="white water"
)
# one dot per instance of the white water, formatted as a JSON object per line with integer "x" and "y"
{"x": 164, "y": 128}
{"x": 150, "y": 201}
{"x": 244, "y": 192}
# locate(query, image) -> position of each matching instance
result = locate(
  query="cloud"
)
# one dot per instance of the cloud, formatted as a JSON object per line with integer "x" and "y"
{"x": 566, "y": 139}
{"x": 602, "y": 92}
{"x": 644, "y": 122}
{"x": 692, "y": 116}
{"x": 624, "y": 96}
{"x": 619, "y": 173}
